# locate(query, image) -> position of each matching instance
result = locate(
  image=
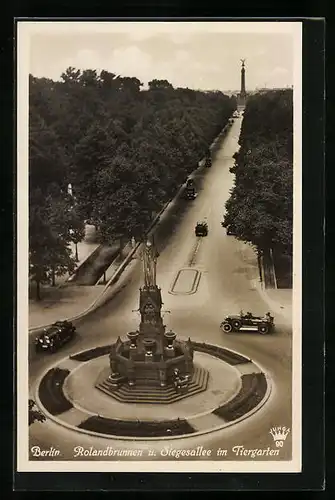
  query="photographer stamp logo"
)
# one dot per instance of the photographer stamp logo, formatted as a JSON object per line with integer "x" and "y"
{"x": 279, "y": 435}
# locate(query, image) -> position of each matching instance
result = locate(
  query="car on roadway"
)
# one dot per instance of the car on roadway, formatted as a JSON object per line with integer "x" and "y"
{"x": 201, "y": 229}
{"x": 208, "y": 162}
{"x": 55, "y": 336}
{"x": 190, "y": 192}
{"x": 236, "y": 114}
{"x": 248, "y": 322}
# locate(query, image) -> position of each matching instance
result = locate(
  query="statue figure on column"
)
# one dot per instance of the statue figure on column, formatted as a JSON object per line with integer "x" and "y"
{"x": 149, "y": 264}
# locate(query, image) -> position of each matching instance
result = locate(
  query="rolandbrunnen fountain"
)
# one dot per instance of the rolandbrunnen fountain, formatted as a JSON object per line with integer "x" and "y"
{"x": 152, "y": 365}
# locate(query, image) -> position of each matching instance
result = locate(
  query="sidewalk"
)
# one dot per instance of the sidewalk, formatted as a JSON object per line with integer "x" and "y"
{"x": 87, "y": 246}
{"x": 62, "y": 301}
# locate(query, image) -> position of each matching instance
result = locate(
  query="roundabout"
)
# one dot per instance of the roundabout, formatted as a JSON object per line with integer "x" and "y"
{"x": 152, "y": 386}
{"x": 235, "y": 389}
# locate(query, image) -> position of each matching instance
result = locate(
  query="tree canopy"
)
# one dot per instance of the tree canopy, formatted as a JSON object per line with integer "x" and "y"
{"x": 260, "y": 208}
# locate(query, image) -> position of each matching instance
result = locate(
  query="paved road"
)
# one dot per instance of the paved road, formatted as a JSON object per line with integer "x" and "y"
{"x": 225, "y": 287}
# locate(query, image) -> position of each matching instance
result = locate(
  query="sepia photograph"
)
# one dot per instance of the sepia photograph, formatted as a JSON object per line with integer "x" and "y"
{"x": 159, "y": 246}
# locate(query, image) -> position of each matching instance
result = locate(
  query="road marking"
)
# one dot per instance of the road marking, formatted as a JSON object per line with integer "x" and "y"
{"x": 193, "y": 255}
{"x": 186, "y": 282}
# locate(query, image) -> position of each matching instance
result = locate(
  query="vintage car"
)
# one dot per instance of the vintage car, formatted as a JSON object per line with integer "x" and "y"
{"x": 190, "y": 192}
{"x": 248, "y": 322}
{"x": 230, "y": 231}
{"x": 56, "y": 335}
{"x": 208, "y": 162}
{"x": 201, "y": 229}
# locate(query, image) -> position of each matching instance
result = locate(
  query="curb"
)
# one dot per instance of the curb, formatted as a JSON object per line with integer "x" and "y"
{"x": 224, "y": 425}
{"x": 124, "y": 264}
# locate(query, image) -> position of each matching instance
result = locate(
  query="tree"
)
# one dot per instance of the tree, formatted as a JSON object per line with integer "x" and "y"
{"x": 91, "y": 152}
{"x": 49, "y": 236}
{"x": 88, "y": 78}
{"x": 71, "y": 75}
{"x": 107, "y": 79}
{"x": 121, "y": 206}
{"x": 47, "y": 161}
{"x": 126, "y": 151}
{"x": 260, "y": 208}
{"x": 160, "y": 85}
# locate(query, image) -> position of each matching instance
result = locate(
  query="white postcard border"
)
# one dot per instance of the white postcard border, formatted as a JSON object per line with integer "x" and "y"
{"x": 25, "y": 29}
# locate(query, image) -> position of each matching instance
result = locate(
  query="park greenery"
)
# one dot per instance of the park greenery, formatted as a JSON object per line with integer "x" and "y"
{"x": 124, "y": 150}
{"x": 260, "y": 208}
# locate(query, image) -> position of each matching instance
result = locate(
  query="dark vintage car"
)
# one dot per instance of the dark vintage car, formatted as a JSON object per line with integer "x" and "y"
{"x": 190, "y": 192}
{"x": 201, "y": 229}
{"x": 248, "y": 322}
{"x": 230, "y": 231}
{"x": 56, "y": 335}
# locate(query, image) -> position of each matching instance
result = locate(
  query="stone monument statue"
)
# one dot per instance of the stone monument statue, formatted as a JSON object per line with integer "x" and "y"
{"x": 150, "y": 255}
{"x": 243, "y": 94}
{"x": 151, "y": 355}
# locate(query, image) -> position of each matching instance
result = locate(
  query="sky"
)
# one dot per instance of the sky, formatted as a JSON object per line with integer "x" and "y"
{"x": 198, "y": 55}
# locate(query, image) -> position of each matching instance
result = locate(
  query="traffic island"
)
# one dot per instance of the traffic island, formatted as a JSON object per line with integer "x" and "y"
{"x": 236, "y": 388}
{"x": 152, "y": 385}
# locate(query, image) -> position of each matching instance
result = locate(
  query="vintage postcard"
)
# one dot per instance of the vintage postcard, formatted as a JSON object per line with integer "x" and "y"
{"x": 159, "y": 246}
